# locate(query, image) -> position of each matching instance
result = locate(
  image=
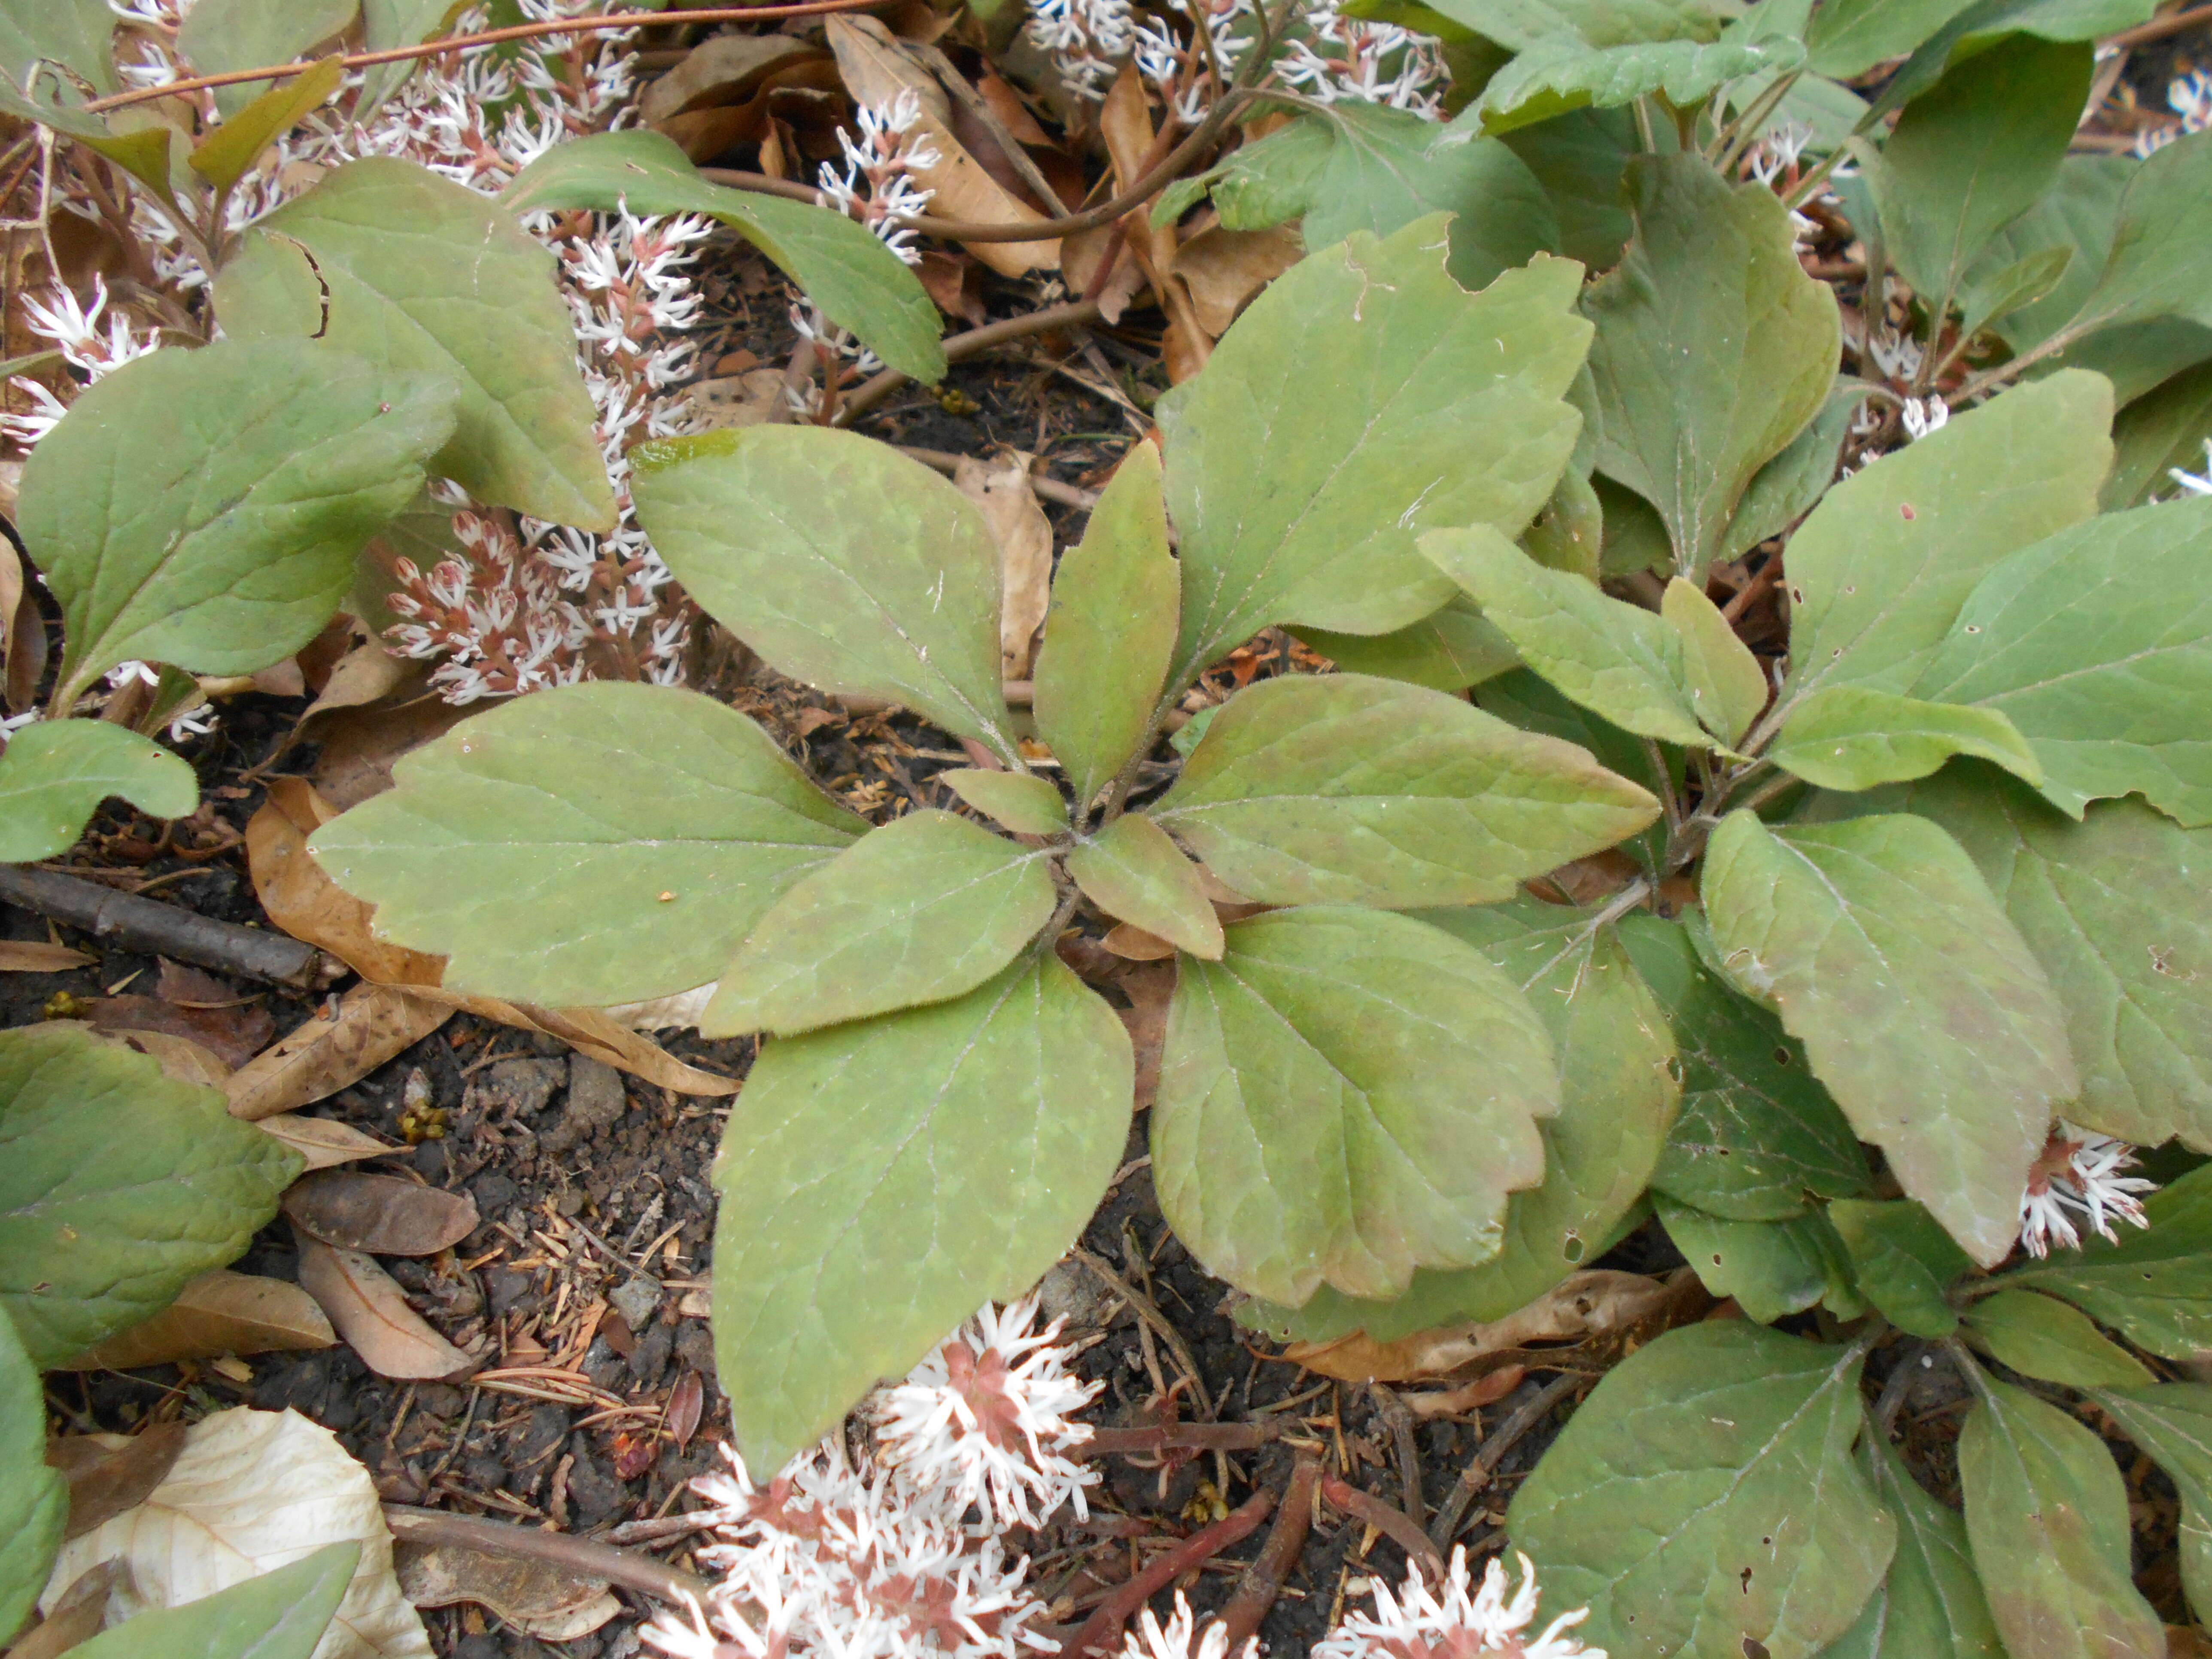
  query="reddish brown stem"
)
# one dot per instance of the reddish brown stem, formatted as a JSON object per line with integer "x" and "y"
{"x": 1179, "y": 1436}
{"x": 577, "y": 1555}
{"x": 1102, "y": 1632}
{"x": 1263, "y": 1580}
{"x": 1388, "y": 1519}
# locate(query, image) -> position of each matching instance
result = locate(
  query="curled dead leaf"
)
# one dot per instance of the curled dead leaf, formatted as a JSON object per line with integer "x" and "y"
{"x": 179, "y": 1058}
{"x": 1596, "y": 1302}
{"x": 220, "y": 1312}
{"x": 108, "y": 1473}
{"x": 723, "y": 69}
{"x": 1132, "y": 943}
{"x": 77, "y": 1617}
{"x": 22, "y": 956}
{"x": 1149, "y": 989}
{"x": 736, "y": 400}
{"x": 370, "y": 1311}
{"x": 547, "y": 1602}
{"x": 333, "y": 1048}
{"x": 1225, "y": 270}
{"x": 1486, "y": 1390}
{"x": 323, "y": 1141}
{"x": 382, "y": 1215}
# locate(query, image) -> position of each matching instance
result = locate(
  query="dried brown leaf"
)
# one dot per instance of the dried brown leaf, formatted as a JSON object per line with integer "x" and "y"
{"x": 23, "y": 956}
{"x": 723, "y": 68}
{"x": 180, "y": 1058}
{"x": 382, "y": 1215}
{"x": 1486, "y": 1390}
{"x": 108, "y": 1473}
{"x": 234, "y": 1035}
{"x": 1125, "y": 122}
{"x": 370, "y": 1311}
{"x": 1133, "y": 944}
{"x": 1081, "y": 255}
{"x": 222, "y": 1312}
{"x": 547, "y": 1602}
{"x": 361, "y": 745}
{"x": 1593, "y": 1303}
{"x": 76, "y": 1618}
{"x": 1224, "y": 269}
{"x": 736, "y": 400}
{"x": 323, "y": 1141}
{"x": 1149, "y": 989}
{"x": 25, "y": 636}
{"x": 335, "y": 1048}
{"x": 687, "y": 1402}
{"x": 1002, "y": 491}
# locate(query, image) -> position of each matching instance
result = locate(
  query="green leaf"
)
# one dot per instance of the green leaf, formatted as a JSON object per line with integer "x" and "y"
{"x": 203, "y": 507}
{"x": 1772, "y": 1269}
{"x": 2173, "y": 1422}
{"x": 1919, "y": 1005}
{"x": 2076, "y": 215}
{"x": 1849, "y": 37}
{"x": 2047, "y": 1516}
{"x": 1558, "y": 75}
{"x": 2097, "y": 644}
{"x": 1344, "y": 1096}
{"x": 1714, "y": 349}
{"x": 1110, "y": 635}
{"x": 388, "y": 260}
{"x": 389, "y": 23}
{"x": 2155, "y": 436}
{"x": 2048, "y": 1341}
{"x": 1022, "y": 801}
{"x": 278, "y": 1615}
{"x": 835, "y": 556}
{"x": 2151, "y": 1287}
{"x": 1342, "y": 789}
{"x": 1757, "y": 1134}
{"x": 223, "y": 35}
{"x": 862, "y": 1222}
{"x": 1903, "y": 1261}
{"x": 1363, "y": 399}
{"x": 1526, "y": 700}
{"x": 1705, "y": 1497}
{"x": 33, "y": 1499}
{"x": 1447, "y": 650}
{"x": 1880, "y": 570}
{"x": 1133, "y": 872}
{"x": 1569, "y": 534}
{"x": 75, "y": 34}
{"x": 1618, "y": 659}
{"x": 1727, "y": 686}
{"x": 1853, "y": 737}
{"x": 1974, "y": 152}
{"x": 843, "y": 267}
{"x": 1791, "y": 484}
{"x": 2160, "y": 242}
{"x": 1618, "y": 1091}
{"x": 1270, "y": 182}
{"x": 116, "y": 1187}
{"x": 1579, "y": 157}
{"x": 2013, "y": 288}
{"x": 223, "y": 157}
{"x": 1931, "y": 1605}
{"x": 55, "y": 773}
{"x": 922, "y": 910}
{"x": 595, "y": 844}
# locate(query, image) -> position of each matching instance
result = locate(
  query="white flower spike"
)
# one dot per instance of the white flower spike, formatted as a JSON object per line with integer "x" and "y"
{"x": 1463, "y": 1622}
{"x": 2080, "y": 1172}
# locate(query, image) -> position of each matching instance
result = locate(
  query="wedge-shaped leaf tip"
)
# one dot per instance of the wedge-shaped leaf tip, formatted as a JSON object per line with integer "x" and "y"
{"x": 1704, "y": 1496}
{"x": 1617, "y": 659}
{"x": 1714, "y": 349}
{"x": 860, "y": 284}
{"x": 1727, "y": 686}
{"x": 1024, "y": 803}
{"x": 1346, "y": 1096}
{"x": 1110, "y": 638}
{"x": 1364, "y": 398}
{"x": 1772, "y": 1269}
{"x": 1853, "y": 737}
{"x": 2151, "y": 1287}
{"x": 116, "y": 1187}
{"x": 1879, "y": 571}
{"x": 589, "y": 844}
{"x": 56, "y": 773}
{"x": 222, "y": 157}
{"x": 385, "y": 259}
{"x": 33, "y": 1499}
{"x": 1133, "y": 872}
{"x": 1919, "y": 1005}
{"x": 2097, "y": 644}
{"x": 1930, "y": 1604}
{"x": 1342, "y": 789}
{"x": 1904, "y": 1261}
{"x": 2047, "y": 1516}
{"x": 205, "y": 507}
{"x": 841, "y": 561}
{"x": 278, "y": 1615}
{"x": 1618, "y": 1089}
{"x": 923, "y": 909}
{"x": 2041, "y": 1337}
{"x": 880, "y": 1181}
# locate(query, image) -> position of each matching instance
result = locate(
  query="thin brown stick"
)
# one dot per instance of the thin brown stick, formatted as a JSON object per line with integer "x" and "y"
{"x": 1178, "y": 1436}
{"x": 578, "y": 1555}
{"x": 1476, "y": 1476}
{"x": 1142, "y": 1305}
{"x": 1271, "y": 1569}
{"x": 1393, "y": 1523}
{"x": 1401, "y": 1422}
{"x": 1102, "y": 1632}
{"x": 2179, "y": 22}
{"x": 143, "y": 924}
{"x": 874, "y": 390}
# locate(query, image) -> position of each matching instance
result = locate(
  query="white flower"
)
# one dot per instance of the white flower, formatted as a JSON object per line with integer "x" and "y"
{"x": 1778, "y": 151}
{"x": 985, "y": 1420}
{"x": 2190, "y": 483}
{"x": 1460, "y": 1624}
{"x": 1087, "y": 39}
{"x": 2079, "y": 1171}
{"x": 2191, "y": 98}
{"x": 1924, "y": 415}
{"x": 1174, "y": 1640}
{"x": 1897, "y": 355}
{"x": 1370, "y": 63}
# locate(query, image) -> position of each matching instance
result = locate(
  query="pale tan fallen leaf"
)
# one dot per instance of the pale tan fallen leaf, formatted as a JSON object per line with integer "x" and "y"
{"x": 1133, "y": 944}
{"x": 371, "y": 1022}
{"x": 252, "y": 1491}
{"x": 1224, "y": 269}
{"x": 547, "y": 1602}
{"x": 108, "y": 1473}
{"x": 384, "y": 1215}
{"x": 680, "y": 1011}
{"x": 1002, "y": 491}
{"x": 1593, "y": 1303}
{"x": 370, "y": 1311}
{"x": 219, "y": 1312}
{"x": 233, "y": 1035}
{"x": 722, "y": 68}
{"x": 1081, "y": 256}
{"x": 27, "y": 956}
{"x": 77, "y": 1616}
{"x": 323, "y": 1141}
{"x": 360, "y": 746}
{"x": 179, "y": 1058}
{"x": 1125, "y": 122}
{"x": 1486, "y": 1390}
{"x": 736, "y": 400}
{"x": 367, "y": 674}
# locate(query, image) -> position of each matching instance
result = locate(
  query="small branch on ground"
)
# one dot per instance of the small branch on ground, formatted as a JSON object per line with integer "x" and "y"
{"x": 1277, "y": 1559}
{"x": 1179, "y": 1436}
{"x": 1476, "y": 1476}
{"x": 875, "y": 389}
{"x": 578, "y": 1555}
{"x": 1393, "y": 1523}
{"x": 1102, "y": 1632}
{"x": 142, "y": 924}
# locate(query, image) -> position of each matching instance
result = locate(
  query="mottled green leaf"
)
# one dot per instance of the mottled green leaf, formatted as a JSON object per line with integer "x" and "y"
{"x": 2046, "y": 1338}
{"x": 33, "y": 1499}
{"x": 1931, "y": 1605}
{"x": 922, "y": 910}
{"x": 1527, "y": 700}
{"x": 1705, "y": 1497}
{"x": 1903, "y": 1261}
{"x": 1271, "y": 182}
{"x": 1569, "y": 534}
{"x": 385, "y": 259}
{"x": 203, "y": 507}
{"x": 1133, "y": 872}
{"x": 1344, "y": 1096}
{"x": 841, "y": 562}
{"x": 1727, "y": 687}
{"x": 2173, "y": 1422}
{"x": 55, "y": 773}
{"x": 2097, "y": 644}
{"x": 2159, "y": 243}
{"x": 843, "y": 267}
{"x": 75, "y": 34}
{"x": 1557, "y": 75}
{"x": 1618, "y": 1091}
{"x": 1521, "y": 24}
{"x": 860, "y": 1223}
{"x": 2151, "y": 1287}
{"x": 1618, "y": 659}
{"x": 1772, "y": 1269}
{"x": 1758, "y": 1135}
{"x": 594, "y": 843}
{"x": 2157, "y": 434}
{"x": 221, "y": 35}
{"x": 1110, "y": 633}
{"x": 1919, "y": 1005}
{"x": 1878, "y": 573}
{"x": 1342, "y": 789}
{"x": 2047, "y": 1516}
{"x": 278, "y": 1616}
{"x": 2012, "y": 287}
{"x": 1447, "y": 650}
{"x": 1853, "y": 737}
{"x": 1023, "y": 802}
{"x": 118, "y": 1187}
{"x": 1714, "y": 349}
{"x": 1364, "y": 398}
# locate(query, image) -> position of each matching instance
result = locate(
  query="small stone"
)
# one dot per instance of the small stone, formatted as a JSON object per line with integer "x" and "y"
{"x": 439, "y": 1400}
{"x": 493, "y": 1193}
{"x": 1071, "y": 1291}
{"x": 596, "y": 1493}
{"x": 596, "y": 1096}
{"x": 635, "y": 1300}
{"x": 650, "y": 1358}
{"x": 695, "y": 1347}
{"x": 523, "y": 1086}
{"x": 507, "y": 1287}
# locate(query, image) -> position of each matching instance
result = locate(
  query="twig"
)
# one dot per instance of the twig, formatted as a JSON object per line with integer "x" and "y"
{"x": 577, "y": 1555}
{"x": 1263, "y": 1580}
{"x": 1476, "y": 1475}
{"x": 2179, "y": 22}
{"x": 1103, "y": 1630}
{"x": 661, "y": 1529}
{"x": 141, "y": 924}
{"x": 1899, "y": 1384}
{"x": 874, "y": 390}
{"x": 1050, "y": 489}
{"x": 1178, "y": 1436}
{"x": 1386, "y": 1518}
{"x": 1401, "y": 1439}
{"x": 1142, "y": 1305}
